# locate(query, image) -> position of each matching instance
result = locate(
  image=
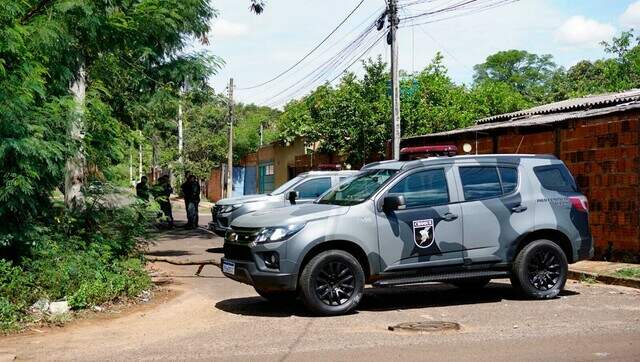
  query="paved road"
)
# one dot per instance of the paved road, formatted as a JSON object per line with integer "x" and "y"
{"x": 214, "y": 318}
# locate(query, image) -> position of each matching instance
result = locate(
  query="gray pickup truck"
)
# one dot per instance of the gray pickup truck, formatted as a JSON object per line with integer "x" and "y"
{"x": 306, "y": 186}
{"x": 463, "y": 220}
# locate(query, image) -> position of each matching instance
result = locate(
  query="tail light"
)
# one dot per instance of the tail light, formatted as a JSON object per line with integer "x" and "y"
{"x": 580, "y": 203}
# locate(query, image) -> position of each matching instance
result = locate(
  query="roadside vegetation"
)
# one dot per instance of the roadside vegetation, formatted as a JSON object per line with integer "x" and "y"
{"x": 628, "y": 273}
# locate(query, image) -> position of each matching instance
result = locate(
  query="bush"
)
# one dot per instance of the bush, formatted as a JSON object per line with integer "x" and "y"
{"x": 87, "y": 257}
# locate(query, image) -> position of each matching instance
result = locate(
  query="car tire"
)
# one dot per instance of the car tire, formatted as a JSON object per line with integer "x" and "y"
{"x": 540, "y": 270}
{"x": 475, "y": 283}
{"x": 278, "y": 297}
{"x": 332, "y": 283}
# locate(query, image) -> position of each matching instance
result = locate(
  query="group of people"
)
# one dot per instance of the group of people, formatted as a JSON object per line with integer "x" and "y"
{"x": 162, "y": 191}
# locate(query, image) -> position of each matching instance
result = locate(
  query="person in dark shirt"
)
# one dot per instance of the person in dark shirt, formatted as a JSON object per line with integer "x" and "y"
{"x": 142, "y": 189}
{"x": 162, "y": 194}
{"x": 191, "y": 191}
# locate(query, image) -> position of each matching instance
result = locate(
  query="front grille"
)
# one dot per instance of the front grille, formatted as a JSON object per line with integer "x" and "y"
{"x": 237, "y": 252}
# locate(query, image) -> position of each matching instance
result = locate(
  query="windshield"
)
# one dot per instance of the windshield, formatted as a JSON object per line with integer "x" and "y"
{"x": 357, "y": 189}
{"x": 287, "y": 185}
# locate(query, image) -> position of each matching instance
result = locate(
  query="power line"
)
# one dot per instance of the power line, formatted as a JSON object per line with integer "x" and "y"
{"x": 309, "y": 53}
{"x": 323, "y": 73}
{"x": 326, "y": 67}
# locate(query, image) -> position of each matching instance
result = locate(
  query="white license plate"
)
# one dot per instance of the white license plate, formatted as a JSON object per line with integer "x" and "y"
{"x": 229, "y": 267}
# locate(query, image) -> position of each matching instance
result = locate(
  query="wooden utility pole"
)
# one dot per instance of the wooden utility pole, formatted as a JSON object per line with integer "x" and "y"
{"x": 395, "y": 77}
{"x": 230, "y": 154}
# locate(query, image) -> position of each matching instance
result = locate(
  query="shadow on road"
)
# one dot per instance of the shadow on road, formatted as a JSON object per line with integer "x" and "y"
{"x": 377, "y": 300}
{"x": 180, "y": 232}
{"x": 215, "y": 250}
{"x": 169, "y": 253}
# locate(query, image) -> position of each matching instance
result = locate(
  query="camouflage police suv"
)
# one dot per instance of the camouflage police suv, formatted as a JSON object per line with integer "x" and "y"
{"x": 462, "y": 220}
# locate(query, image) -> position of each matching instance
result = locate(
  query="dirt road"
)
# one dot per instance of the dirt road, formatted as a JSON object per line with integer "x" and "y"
{"x": 214, "y": 318}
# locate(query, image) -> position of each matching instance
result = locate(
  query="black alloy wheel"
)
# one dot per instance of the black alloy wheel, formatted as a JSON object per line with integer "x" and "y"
{"x": 543, "y": 268}
{"x": 540, "y": 270}
{"x": 332, "y": 283}
{"x": 335, "y": 283}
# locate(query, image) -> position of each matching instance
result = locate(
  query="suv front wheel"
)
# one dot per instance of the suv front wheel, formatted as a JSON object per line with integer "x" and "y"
{"x": 332, "y": 283}
{"x": 540, "y": 270}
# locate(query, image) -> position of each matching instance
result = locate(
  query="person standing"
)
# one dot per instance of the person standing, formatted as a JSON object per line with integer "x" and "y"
{"x": 191, "y": 192}
{"x": 163, "y": 194}
{"x": 142, "y": 189}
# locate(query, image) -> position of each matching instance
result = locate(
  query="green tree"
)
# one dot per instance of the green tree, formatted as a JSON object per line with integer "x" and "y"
{"x": 529, "y": 74}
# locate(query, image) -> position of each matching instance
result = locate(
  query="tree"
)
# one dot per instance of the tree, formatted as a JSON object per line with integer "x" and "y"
{"x": 529, "y": 74}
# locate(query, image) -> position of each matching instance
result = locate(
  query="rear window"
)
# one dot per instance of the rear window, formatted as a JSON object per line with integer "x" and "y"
{"x": 509, "y": 178}
{"x": 555, "y": 178}
{"x": 480, "y": 182}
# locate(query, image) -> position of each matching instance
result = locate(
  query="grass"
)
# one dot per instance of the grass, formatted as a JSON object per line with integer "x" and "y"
{"x": 628, "y": 273}
{"x": 587, "y": 279}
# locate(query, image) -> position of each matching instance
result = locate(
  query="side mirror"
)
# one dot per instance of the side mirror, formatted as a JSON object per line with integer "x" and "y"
{"x": 393, "y": 203}
{"x": 293, "y": 195}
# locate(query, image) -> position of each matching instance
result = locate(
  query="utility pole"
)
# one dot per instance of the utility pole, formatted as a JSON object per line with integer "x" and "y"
{"x": 261, "y": 133}
{"x": 140, "y": 156}
{"x": 180, "y": 134}
{"x": 230, "y": 155}
{"x": 395, "y": 76}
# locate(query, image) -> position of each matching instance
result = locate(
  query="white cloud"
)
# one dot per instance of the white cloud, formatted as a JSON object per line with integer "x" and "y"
{"x": 225, "y": 29}
{"x": 631, "y": 16}
{"x": 581, "y": 31}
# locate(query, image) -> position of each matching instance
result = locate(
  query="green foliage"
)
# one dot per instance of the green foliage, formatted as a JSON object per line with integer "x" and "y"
{"x": 628, "y": 273}
{"x": 88, "y": 257}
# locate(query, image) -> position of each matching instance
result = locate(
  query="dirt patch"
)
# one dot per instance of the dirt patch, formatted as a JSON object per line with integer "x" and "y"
{"x": 83, "y": 318}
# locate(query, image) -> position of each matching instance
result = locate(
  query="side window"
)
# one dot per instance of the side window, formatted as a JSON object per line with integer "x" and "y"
{"x": 480, "y": 182}
{"x": 313, "y": 188}
{"x": 509, "y": 178}
{"x": 424, "y": 188}
{"x": 555, "y": 178}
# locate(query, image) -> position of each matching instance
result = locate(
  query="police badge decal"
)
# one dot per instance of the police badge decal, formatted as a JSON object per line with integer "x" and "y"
{"x": 423, "y": 233}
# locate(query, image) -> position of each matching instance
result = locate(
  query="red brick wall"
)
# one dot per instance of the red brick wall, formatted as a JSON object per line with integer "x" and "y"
{"x": 604, "y": 156}
{"x": 214, "y": 185}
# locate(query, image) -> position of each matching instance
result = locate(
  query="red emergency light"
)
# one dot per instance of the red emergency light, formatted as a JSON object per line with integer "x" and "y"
{"x": 414, "y": 153}
{"x": 330, "y": 167}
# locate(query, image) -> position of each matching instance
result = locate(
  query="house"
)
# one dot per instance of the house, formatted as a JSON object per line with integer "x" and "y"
{"x": 598, "y": 137}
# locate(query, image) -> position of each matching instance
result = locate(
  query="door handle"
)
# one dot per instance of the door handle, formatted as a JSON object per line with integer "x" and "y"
{"x": 519, "y": 208}
{"x": 450, "y": 217}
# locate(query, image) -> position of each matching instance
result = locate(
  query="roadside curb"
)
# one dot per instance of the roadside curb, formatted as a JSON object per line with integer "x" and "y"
{"x": 606, "y": 279}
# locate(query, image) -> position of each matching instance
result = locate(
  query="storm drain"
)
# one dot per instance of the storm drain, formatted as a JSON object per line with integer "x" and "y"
{"x": 427, "y": 326}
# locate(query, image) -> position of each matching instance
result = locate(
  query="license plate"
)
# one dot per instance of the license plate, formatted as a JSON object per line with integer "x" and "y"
{"x": 229, "y": 267}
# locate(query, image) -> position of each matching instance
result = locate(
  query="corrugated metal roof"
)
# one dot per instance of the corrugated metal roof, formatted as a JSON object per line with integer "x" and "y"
{"x": 538, "y": 119}
{"x": 588, "y": 102}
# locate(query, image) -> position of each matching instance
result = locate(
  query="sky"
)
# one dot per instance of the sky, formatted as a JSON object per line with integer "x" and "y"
{"x": 256, "y": 48}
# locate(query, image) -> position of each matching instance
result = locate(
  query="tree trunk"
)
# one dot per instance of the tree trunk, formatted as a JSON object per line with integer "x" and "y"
{"x": 75, "y": 166}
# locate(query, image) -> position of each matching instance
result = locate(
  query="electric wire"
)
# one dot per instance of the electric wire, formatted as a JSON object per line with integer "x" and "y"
{"x": 308, "y": 53}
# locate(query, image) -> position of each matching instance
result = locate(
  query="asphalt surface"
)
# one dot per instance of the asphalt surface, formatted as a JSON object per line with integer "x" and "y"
{"x": 214, "y": 318}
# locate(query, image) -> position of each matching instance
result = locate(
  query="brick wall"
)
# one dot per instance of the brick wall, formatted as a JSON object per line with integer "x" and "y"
{"x": 214, "y": 185}
{"x": 602, "y": 153}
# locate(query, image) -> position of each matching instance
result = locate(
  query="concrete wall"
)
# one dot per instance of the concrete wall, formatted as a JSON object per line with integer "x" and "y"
{"x": 285, "y": 157}
{"x": 604, "y": 156}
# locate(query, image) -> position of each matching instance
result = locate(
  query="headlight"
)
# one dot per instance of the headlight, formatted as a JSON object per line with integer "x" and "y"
{"x": 229, "y": 208}
{"x": 278, "y": 233}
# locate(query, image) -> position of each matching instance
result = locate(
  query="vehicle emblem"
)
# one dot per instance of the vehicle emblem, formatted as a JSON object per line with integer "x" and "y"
{"x": 423, "y": 233}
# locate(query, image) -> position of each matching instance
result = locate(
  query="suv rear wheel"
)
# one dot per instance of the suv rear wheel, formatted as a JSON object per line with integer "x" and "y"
{"x": 540, "y": 270}
{"x": 332, "y": 283}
